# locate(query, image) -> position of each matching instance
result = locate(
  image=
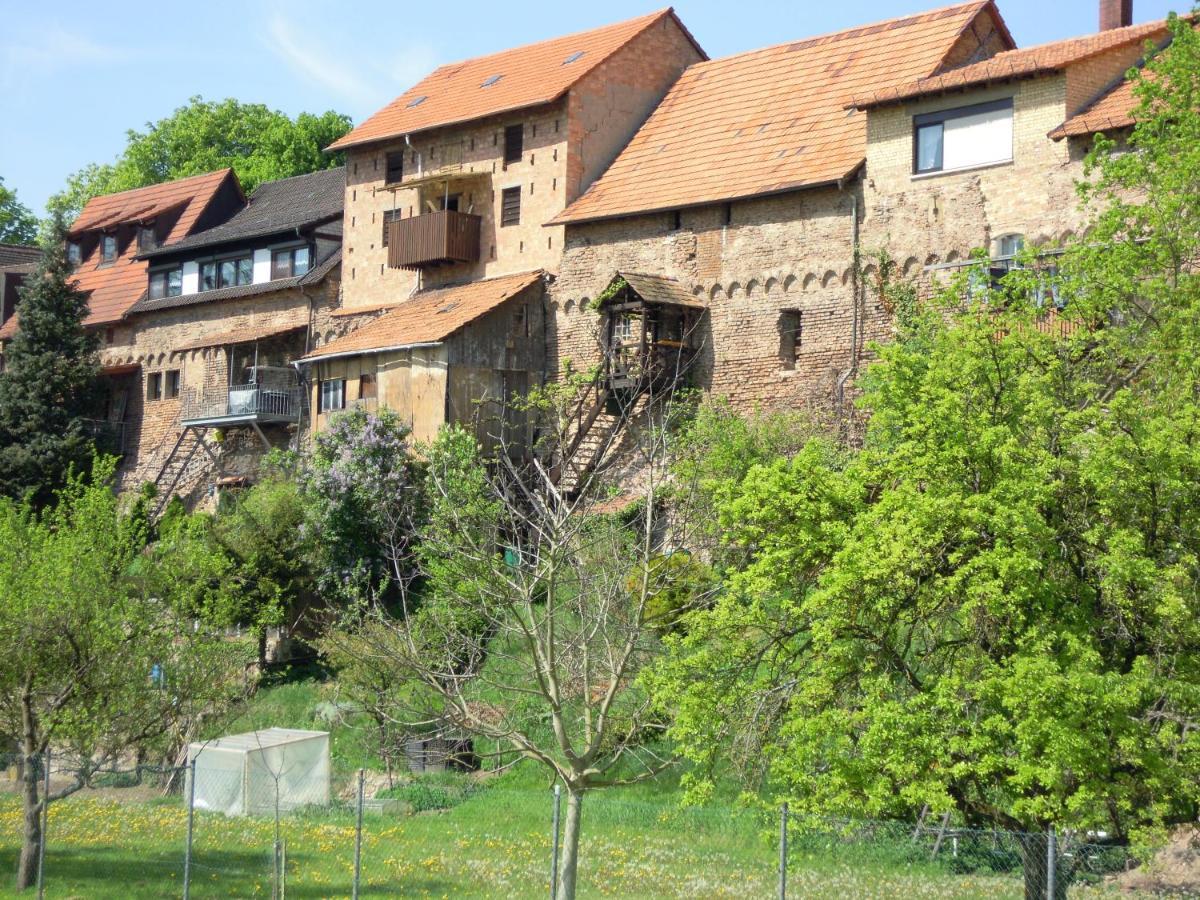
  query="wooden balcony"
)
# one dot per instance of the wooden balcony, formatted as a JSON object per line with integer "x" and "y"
{"x": 434, "y": 239}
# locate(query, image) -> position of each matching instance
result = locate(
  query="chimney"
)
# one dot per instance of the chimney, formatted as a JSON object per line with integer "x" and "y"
{"x": 1115, "y": 14}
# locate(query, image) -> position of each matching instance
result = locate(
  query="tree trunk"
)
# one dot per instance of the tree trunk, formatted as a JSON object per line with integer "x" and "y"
{"x": 1036, "y": 870}
{"x": 569, "y": 867}
{"x": 30, "y": 801}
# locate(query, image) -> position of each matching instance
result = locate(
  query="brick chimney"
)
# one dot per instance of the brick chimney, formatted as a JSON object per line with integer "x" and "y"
{"x": 1115, "y": 14}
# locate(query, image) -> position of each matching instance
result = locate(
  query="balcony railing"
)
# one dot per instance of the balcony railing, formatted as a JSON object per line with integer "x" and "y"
{"x": 434, "y": 239}
{"x": 244, "y": 403}
{"x": 109, "y": 436}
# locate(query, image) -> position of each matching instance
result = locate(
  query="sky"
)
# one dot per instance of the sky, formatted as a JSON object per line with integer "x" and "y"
{"x": 75, "y": 76}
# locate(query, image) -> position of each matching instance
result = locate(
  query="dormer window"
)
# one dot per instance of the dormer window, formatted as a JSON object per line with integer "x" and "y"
{"x": 147, "y": 237}
{"x": 963, "y": 138}
{"x": 74, "y": 253}
{"x": 290, "y": 263}
{"x": 108, "y": 248}
{"x": 166, "y": 283}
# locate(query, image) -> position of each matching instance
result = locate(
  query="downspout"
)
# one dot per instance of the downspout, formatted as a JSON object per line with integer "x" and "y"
{"x": 855, "y": 288}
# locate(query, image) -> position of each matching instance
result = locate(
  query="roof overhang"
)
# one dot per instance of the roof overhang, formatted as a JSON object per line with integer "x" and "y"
{"x": 372, "y": 351}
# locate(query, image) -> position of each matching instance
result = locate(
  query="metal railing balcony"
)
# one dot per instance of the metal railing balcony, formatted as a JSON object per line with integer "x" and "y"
{"x": 243, "y": 403}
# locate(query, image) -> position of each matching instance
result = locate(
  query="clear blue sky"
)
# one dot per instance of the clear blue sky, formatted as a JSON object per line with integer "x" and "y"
{"x": 74, "y": 75}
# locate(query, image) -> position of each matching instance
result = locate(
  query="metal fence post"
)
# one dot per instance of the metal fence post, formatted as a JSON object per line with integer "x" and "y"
{"x": 554, "y": 853}
{"x": 783, "y": 838}
{"x": 187, "y": 852}
{"x": 1051, "y": 853}
{"x": 45, "y": 824}
{"x": 358, "y": 838}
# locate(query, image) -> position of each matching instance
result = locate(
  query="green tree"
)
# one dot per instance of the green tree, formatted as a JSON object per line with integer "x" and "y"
{"x": 49, "y": 381}
{"x": 17, "y": 224}
{"x": 258, "y": 143}
{"x": 992, "y": 607}
{"x": 95, "y": 659}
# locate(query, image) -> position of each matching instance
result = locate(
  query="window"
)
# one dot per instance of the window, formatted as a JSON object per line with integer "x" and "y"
{"x": 1010, "y": 244}
{"x": 290, "y": 263}
{"x": 166, "y": 283}
{"x": 366, "y": 386}
{"x": 450, "y": 202}
{"x": 226, "y": 273}
{"x": 510, "y": 207}
{"x": 416, "y": 101}
{"x": 108, "y": 248}
{"x": 574, "y": 56}
{"x": 333, "y": 394}
{"x": 395, "y": 166}
{"x": 172, "y": 390}
{"x": 727, "y": 215}
{"x": 514, "y": 143}
{"x": 389, "y": 216}
{"x": 147, "y": 237}
{"x": 961, "y": 138}
{"x": 154, "y": 386}
{"x": 676, "y": 220}
{"x": 490, "y": 80}
{"x": 74, "y": 253}
{"x": 791, "y": 334}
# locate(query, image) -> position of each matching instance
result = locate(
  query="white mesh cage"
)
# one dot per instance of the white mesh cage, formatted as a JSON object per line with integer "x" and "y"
{"x": 247, "y": 774}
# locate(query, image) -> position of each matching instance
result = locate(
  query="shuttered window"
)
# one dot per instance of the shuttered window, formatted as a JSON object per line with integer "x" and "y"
{"x": 514, "y": 143}
{"x": 510, "y": 206}
{"x": 389, "y": 216}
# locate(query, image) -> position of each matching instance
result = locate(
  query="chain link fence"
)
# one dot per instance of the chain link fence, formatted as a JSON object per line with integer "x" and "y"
{"x": 178, "y": 831}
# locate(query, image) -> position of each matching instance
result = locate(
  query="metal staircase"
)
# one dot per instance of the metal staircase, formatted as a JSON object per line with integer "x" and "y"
{"x": 172, "y": 473}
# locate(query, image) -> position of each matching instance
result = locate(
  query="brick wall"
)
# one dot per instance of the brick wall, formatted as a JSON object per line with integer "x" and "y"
{"x": 151, "y": 341}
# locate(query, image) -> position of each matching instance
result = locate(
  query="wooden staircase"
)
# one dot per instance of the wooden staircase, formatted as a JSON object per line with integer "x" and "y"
{"x": 599, "y": 416}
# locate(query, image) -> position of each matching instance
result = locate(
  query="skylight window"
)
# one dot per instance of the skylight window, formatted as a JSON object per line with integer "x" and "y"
{"x": 491, "y": 80}
{"x": 417, "y": 101}
{"x": 574, "y": 56}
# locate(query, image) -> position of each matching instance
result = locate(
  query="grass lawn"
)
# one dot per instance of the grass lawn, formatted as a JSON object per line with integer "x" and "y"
{"x": 495, "y": 842}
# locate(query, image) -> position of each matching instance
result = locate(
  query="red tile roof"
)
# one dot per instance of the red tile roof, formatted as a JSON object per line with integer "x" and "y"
{"x": 429, "y": 316}
{"x": 250, "y": 331}
{"x": 770, "y": 120}
{"x": 1111, "y": 111}
{"x": 1024, "y": 63}
{"x": 118, "y": 286}
{"x": 529, "y": 76}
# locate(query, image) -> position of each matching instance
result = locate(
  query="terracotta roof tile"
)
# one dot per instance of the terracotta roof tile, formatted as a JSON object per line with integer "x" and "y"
{"x": 770, "y": 120}
{"x": 429, "y": 316}
{"x": 117, "y": 287}
{"x": 250, "y": 331}
{"x": 529, "y": 76}
{"x": 1111, "y": 111}
{"x": 1023, "y": 63}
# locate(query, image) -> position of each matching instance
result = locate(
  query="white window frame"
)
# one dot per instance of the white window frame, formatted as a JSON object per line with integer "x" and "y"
{"x": 967, "y": 135}
{"x": 333, "y": 391}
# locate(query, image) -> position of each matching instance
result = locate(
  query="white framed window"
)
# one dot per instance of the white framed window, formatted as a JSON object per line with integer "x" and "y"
{"x": 963, "y": 138}
{"x": 333, "y": 394}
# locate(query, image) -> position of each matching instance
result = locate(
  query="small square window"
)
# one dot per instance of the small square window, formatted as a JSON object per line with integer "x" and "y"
{"x": 154, "y": 386}
{"x": 333, "y": 394}
{"x": 172, "y": 384}
{"x": 147, "y": 237}
{"x": 74, "y": 253}
{"x": 108, "y": 248}
{"x": 510, "y": 207}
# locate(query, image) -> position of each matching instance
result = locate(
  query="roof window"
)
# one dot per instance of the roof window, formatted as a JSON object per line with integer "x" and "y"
{"x": 574, "y": 56}
{"x": 417, "y": 101}
{"x": 491, "y": 80}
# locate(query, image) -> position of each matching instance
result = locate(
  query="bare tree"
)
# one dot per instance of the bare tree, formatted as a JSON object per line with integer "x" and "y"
{"x": 545, "y": 574}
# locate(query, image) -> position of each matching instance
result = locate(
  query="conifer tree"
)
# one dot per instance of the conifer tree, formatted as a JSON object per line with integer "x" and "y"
{"x": 49, "y": 382}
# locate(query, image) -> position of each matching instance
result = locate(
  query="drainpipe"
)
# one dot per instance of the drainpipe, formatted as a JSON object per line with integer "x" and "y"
{"x": 855, "y": 287}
